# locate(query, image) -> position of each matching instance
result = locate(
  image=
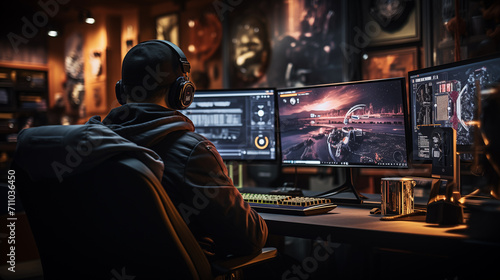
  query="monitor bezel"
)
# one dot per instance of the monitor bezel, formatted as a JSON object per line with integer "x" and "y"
{"x": 427, "y": 70}
{"x": 404, "y": 100}
{"x": 276, "y": 145}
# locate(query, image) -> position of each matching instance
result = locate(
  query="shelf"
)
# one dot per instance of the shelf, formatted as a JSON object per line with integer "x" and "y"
{"x": 23, "y": 66}
{"x": 8, "y": 146}
{"x": 26, "y": 103}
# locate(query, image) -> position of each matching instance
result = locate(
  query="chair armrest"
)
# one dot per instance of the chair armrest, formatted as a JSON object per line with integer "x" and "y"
{"x": 234, "y": 263}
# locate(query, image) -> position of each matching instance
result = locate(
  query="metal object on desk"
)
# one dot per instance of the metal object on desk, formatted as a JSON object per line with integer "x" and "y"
{"x": 397, "y": 195}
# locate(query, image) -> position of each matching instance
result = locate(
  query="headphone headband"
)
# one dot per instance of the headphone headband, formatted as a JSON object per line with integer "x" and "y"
{"x": 186, "y": 67}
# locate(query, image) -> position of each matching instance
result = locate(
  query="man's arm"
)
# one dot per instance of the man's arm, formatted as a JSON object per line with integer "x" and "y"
{"x": 218, "y": 206}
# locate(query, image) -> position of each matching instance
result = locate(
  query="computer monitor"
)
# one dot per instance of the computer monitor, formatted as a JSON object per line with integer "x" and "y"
{"x": 446, "y": 95}
{"x": 353, "y": 124}
{"x": 240, "y": 123}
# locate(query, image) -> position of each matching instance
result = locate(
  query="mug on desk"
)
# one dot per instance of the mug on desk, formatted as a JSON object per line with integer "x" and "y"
{"x": 397, "y": 195}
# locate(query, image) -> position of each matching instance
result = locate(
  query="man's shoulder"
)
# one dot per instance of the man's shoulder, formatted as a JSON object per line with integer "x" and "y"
{"x": 182, "y": 139}
{"x": 181, "y": 146}
{"x": 188, "y": 137}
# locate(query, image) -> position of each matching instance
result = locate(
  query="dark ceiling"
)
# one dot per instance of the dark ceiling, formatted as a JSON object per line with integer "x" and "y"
{"x": 14, "y": 14}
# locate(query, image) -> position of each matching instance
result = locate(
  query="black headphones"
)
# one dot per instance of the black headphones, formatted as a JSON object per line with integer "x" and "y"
{"x": 181, "y": 91}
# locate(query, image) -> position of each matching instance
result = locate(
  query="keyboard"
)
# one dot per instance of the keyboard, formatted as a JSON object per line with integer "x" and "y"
{"x": 286, "y": 204}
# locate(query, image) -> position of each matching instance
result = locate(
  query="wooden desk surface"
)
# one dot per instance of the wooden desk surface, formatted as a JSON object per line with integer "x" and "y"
{"x": 347, "y": 224}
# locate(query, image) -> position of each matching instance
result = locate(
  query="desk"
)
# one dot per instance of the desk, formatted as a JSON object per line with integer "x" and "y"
{"x": 356, "y": 225}
{"x": 448, "y": 247}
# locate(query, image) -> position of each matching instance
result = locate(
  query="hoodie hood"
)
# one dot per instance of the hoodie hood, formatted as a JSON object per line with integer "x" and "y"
{"x": 57, "y": 151}
{"x": 145, "y": 124}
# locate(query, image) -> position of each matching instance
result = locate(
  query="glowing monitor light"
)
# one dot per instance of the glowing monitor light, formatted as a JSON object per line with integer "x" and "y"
{"x": 239, "y": 122}
{"x": 354, "y": 124}
{"x": 446, "y": 95}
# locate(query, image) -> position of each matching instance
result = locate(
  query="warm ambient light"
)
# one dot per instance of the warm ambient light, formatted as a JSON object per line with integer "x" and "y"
{"x": 52, "y": 33}
{"x": 90, "y": 20}
{"x": 87, "y": 17}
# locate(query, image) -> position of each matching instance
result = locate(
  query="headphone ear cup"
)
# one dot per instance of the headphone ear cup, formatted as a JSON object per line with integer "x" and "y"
{"x": 181, "y": 94}
{"x": 120, "y": 93}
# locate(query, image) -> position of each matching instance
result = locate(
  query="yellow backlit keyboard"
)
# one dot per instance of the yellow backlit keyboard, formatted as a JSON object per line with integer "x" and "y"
{"x": 286, "y": 204}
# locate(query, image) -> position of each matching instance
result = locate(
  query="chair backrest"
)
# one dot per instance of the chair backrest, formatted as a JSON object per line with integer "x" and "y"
{"x": 113, "y": 220}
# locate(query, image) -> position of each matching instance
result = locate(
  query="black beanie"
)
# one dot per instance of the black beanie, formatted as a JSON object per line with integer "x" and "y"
{"x": 150, "y": 64}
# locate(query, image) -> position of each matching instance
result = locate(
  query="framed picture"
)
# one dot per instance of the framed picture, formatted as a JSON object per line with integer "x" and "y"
{"x": 286, "y": 43}
{"x": 203, "y": 38}
{"x": 167, "y": 28}
{"x": 389, "y": 63}
{"x": 390, "y": 22}
{"x": 95, "y": 99}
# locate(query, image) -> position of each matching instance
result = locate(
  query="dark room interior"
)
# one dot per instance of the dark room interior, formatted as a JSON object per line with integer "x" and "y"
{"x": 363, "y": 133}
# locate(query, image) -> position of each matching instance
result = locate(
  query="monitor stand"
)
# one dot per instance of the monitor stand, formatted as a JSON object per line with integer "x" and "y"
{"x": 348, "y": 186}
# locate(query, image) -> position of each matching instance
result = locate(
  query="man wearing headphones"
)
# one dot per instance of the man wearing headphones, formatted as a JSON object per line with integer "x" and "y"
{"x": 154, "y": 85}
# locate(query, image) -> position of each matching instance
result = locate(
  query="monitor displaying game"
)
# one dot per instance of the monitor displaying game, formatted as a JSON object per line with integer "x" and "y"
{"x": 446, "y": 95}
{"x": 354, "y": 124}
{"x": 239, "y": 122}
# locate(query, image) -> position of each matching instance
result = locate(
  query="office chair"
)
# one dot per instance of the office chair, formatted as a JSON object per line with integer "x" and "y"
{"x": 114, "y": 220}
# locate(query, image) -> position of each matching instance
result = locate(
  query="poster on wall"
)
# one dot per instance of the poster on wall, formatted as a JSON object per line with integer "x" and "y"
{"x": 74, "y": 66}
{"x": 389, "y": 63}
{"x": 95, "y": 99}
{"x": 392, "y": 22}
{"x": 167, "y": 28}
{"x": 285, "y": 43}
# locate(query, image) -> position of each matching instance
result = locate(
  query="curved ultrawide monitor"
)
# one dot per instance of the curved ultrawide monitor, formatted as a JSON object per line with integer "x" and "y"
{"x": 354, "y": 124}
{"x": 240, "y": 123}
{"x": 446, "y": 96}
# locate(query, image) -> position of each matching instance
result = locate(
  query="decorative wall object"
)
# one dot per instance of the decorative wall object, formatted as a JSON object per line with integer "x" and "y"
{"x": 389, "y": 63}
{"x": 203, "y": 36}
{"x": 391, "y": 22}
{"x": 74, "y": 65}
{"x": 250, "y": 49}
{"x": 167, "y": 28}
{"x": 96, "y": 98}
{"x": 96, "y": 63}
{"x": 286, "y": 43}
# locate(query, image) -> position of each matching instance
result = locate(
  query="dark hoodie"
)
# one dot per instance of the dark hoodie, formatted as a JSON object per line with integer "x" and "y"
{"x": 195, "y": 178}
